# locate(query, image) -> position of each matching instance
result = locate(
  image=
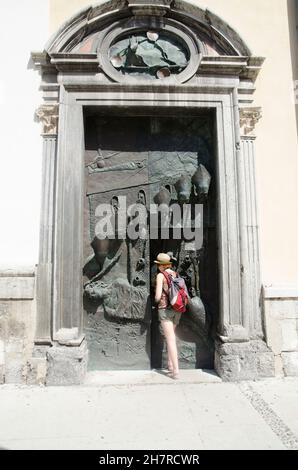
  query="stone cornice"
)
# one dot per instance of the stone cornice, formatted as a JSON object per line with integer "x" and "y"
{"x": 234, "y": 59}
{"x": 246, "y": 68}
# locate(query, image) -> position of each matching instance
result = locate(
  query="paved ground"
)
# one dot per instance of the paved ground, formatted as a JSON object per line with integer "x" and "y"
{"x": 147, "y": 410}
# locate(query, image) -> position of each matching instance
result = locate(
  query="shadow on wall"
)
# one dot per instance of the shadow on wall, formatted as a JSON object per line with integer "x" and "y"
{"x": 293, "y": 34}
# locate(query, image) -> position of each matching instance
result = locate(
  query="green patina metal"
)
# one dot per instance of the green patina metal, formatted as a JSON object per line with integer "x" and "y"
{"x": 151, "y": 53}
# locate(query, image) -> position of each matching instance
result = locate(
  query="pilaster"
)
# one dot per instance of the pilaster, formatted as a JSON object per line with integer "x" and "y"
{"x": 248, "y": 119}
{"x": 48, "y": 116}
{"x": 241, "y": 352}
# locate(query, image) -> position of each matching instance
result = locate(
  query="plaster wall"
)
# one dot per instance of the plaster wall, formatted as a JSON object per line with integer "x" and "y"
{"x": 23, "y": 28}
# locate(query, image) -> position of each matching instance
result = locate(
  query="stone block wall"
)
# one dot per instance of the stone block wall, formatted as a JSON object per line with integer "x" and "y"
{"x": 17, "y": 323}
{"x": 281, "y": 325}
{"x": 21, "y": 363}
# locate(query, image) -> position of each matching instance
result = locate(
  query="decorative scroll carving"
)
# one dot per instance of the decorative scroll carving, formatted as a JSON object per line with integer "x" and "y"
{"x": 48, "y": 115}
{"x": 248, "y": 119}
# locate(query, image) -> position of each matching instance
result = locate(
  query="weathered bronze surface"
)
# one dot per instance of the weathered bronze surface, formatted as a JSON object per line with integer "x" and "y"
{"x": 148, "y": 160}
{"x": 152, "y": 53}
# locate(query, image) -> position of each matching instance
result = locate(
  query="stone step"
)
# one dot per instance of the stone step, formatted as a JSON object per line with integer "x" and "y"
{"x": 149, "y": 377}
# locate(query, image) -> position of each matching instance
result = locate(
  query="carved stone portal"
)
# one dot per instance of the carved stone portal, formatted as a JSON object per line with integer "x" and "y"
{"x": 147, "y": 160}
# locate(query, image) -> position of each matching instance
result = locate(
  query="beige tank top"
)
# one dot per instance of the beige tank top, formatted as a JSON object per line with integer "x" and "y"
{"x": 164, "y": 299}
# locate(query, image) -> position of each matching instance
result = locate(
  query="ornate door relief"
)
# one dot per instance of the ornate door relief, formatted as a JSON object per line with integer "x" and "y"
{"x": 128, "y": 64}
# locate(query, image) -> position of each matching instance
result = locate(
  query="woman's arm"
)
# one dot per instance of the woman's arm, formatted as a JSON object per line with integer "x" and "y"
{"x": 158, "y": 288}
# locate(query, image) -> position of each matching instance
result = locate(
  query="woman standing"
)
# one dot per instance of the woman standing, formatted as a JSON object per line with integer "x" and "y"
{"x": 168, "y": 317}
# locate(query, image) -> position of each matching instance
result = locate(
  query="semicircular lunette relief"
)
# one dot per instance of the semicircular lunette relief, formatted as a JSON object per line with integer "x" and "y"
{"x": 153, "y": 54}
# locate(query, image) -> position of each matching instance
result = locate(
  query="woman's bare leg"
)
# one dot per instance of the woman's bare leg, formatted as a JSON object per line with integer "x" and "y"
{"x": 169, "y": 332}
{"x": 170, "y": 365}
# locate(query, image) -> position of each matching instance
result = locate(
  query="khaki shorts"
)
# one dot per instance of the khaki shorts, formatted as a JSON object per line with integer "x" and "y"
{"x": 169, "y": 314}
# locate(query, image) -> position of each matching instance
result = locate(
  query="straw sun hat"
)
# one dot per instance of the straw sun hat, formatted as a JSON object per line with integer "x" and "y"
{"x": 163, "y": 258}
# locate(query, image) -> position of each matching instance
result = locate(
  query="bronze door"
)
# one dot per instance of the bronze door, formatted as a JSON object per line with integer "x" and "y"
{"x": 145, "y": 159}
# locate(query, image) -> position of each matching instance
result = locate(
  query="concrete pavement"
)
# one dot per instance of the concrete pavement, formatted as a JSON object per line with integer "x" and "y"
{"x": 148, "y": 410}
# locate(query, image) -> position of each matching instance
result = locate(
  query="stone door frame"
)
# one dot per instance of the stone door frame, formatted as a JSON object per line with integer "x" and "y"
{"x": 240, "y": 349}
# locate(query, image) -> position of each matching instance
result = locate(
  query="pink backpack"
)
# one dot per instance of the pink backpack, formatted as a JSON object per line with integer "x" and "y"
{"x": 178, "y": 295}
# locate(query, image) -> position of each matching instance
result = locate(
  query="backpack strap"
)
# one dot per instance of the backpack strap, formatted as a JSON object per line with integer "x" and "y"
{"x": 168, "y": 278}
